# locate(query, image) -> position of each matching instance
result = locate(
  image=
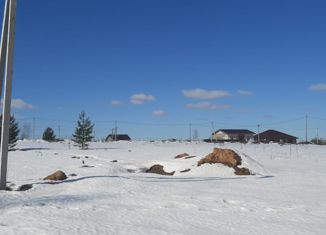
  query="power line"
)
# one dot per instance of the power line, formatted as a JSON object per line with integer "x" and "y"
{"x": 318, "y": 118}
{"x": 283, "y": 122}
{"x": 65, "y": 126}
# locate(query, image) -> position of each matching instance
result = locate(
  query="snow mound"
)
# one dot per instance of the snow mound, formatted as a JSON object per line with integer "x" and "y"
{"x": 254, "y": 166}
{"x": 188, "y": 167}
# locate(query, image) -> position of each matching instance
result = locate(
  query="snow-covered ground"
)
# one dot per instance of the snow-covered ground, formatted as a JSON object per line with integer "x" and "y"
{"x": 286, "y": 196}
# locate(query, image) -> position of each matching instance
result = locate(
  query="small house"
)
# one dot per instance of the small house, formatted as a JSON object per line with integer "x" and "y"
{"x": 117, "y": 137}
{"x": 275, "y": 136}
{"x": 232, "y": 135}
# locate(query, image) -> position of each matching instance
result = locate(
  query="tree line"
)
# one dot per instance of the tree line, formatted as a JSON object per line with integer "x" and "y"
{"x": 82, "y": 135}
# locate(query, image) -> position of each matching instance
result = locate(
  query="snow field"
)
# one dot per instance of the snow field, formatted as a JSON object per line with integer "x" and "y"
{"x": 286, "y": 196}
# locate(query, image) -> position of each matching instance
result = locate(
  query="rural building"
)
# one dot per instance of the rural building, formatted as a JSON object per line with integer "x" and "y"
{"x": 117, "y": 137}
{"x": 275, "y": 136}
{"x": 232, "y": 135}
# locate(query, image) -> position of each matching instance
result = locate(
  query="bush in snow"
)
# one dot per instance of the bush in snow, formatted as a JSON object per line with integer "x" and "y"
{"x": 13, "y": 131}
{"x": 48, "y": 134}
{"x": 83, "y": 131}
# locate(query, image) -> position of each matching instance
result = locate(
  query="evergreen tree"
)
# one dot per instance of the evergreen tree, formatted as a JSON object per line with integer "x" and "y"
{"x": 83, "y": 131}
{"x": 48, "y": 134}
{"x": 13, "y": 131}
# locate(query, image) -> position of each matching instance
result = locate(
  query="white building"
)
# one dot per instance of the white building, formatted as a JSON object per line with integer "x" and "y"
{"x": 232, "y": 135}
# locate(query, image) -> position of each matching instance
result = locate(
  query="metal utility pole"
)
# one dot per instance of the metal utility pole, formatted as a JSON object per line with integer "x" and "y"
{"x": 33, "y": 128}
{"x": 212, "y": 131}
{"x": 6, "y": 72}
{"x": 317, "y": 137}
{"x": 258, "y": 136}
{"x": 115, "y": 130}
{"x": 306, "y": 128}
{"x": 190, "y": 132}
{"x": 59, "y": 131}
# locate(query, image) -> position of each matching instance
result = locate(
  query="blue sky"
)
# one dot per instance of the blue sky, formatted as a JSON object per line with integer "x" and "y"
{"x": 156, "y": 66}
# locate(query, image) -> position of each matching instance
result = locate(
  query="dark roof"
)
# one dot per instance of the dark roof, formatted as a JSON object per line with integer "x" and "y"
{"x": 118, "y": 137}
{"x": 274, "y": 135}
{"x": 236, "y": 131}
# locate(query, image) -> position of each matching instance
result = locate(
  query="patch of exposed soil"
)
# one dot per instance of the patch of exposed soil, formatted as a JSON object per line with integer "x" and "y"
{"x": 158, "y": 169}
{"x": 226, "y": 157}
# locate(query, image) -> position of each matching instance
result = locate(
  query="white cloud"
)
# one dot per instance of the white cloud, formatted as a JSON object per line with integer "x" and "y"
{"x": 141, "y": 98}
{"x": 116, "y": 102}
{"x": 207, "y": 105}
{"x": 318, "y": 87}
{"x": 19, "y": 104}
{"x": 205, "y": 94}
{"x": 159, "y": 113}
{"x": 245, "y": 93}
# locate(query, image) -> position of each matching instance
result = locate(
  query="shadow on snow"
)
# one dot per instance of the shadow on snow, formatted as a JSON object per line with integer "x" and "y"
{"x": 153, "y": 179}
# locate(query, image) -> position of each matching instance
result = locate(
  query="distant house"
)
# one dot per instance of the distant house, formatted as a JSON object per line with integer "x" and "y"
{"x": 232, "y": 135}
{"x": 117, "y": 137}
{"x": 275, "y": 136}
